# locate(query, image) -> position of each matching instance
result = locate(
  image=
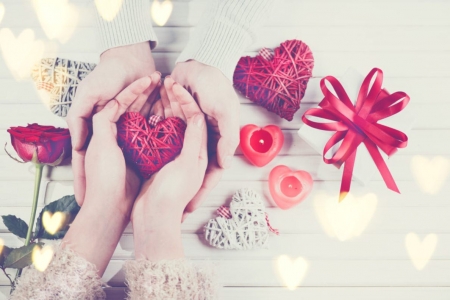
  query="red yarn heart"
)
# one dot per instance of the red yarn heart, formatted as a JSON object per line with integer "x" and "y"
{"x": 276, "y": 81}
{"x": 149, "y": 148}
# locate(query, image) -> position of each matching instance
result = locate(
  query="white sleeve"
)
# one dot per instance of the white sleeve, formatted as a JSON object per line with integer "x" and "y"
{"x": 131, "y": 25}
{"x": 226, "y": 29}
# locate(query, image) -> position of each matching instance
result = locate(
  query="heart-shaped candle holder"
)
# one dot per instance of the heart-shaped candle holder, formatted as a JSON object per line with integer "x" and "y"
{"x": 149, "y": 147}
{"x": 261, "y": 145}
{"x": 288, "y": 188}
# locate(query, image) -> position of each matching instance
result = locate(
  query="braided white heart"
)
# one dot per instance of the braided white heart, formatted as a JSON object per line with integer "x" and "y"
{"x": 58, "y": 78}
{"x": 246, "y": 229}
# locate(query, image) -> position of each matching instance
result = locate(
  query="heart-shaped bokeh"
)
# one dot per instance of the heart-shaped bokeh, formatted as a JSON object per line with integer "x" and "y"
{"x": 276, "y": 81}
{"x": 149, "y": 148}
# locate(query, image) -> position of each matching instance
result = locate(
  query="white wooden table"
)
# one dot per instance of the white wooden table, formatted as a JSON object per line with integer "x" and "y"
{"x": 353, "y": 251}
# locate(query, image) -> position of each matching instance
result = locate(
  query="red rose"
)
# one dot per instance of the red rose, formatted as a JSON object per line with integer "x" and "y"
{"x": 50, "y": 145}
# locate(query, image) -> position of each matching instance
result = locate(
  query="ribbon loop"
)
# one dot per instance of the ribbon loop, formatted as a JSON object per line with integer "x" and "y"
{"x": 357, "y": 123}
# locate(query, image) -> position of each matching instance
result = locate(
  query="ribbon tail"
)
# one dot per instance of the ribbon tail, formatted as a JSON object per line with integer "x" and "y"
{"x": 347, "y": 176}
{"x": 381, "y": 165}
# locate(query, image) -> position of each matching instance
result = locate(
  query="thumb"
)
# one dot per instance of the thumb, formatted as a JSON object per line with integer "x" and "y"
{"x": 193, "y": 138}
{"x": 103, "y": 122}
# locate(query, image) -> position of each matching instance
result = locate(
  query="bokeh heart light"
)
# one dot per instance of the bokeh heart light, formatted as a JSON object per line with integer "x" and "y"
{"x": 20, "y": 53}
{"x": 291, "y": 271}
{"x": 347, "y": 219}
{"x": 161, "y": 11}
{"x": 420, "y": 251}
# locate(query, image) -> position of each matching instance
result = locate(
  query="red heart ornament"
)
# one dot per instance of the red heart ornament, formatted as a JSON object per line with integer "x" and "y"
{"x": 149, "y": 148}
{"x": 276, "y": 81}
{"x": 288, "y": 188}
{"x": 261, "y": 145}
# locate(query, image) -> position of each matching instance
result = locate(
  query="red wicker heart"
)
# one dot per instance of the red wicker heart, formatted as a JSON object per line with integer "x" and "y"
{"x": 276, "y": 81}
{"x": 147, "y": 147}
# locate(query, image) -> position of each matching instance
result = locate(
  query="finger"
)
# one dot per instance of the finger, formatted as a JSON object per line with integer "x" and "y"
{"x": 212, "y": 178}
{"x": 77, "y": 120}
{"x": 103, "y": 123}
{"x": 137, "y": 105}
{"x": 131, "y": 93}
{"x": 228, "y": 122}
{"x": 176, "y": 107}
{"x": 165, "y": 102}
{"x": 152, "y": 99}
{"x": 186, "y": 101}
{"x": 79, "y": 183}
{"x": 193, "y": 138}
{"x": 157, "y": 109}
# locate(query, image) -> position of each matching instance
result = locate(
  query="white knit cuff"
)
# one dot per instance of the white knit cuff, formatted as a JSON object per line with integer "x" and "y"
{"x": 68, "y": 276}
{"x": 170, "y": 279}
{"x": 220, "y": 46}
{"x": 131, "y": 25}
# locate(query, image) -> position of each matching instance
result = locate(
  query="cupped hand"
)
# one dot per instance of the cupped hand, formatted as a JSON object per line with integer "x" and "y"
{"x": 218, "y": 100}
{"x": 118, "y": 67}
{"x": 159, "y": 207}
{"x": 109, "y": 179}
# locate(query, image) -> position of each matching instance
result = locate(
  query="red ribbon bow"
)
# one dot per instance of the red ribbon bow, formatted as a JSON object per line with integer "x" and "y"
{"x": 356, "y": 124}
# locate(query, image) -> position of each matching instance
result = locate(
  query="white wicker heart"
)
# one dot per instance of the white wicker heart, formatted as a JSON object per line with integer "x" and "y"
{"x": 246, "y": 229}
{"x": 58, "y": 78}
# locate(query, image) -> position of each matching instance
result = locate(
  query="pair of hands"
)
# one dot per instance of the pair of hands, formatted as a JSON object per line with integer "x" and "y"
{"x": 122, "y": 66}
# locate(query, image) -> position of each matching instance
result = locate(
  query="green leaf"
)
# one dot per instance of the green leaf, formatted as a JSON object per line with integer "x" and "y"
{"x": 20, "y": 258}
{"x": 67, "y": 205}
{"x": 16, "y": 225}
{"x": 4, "y": 251}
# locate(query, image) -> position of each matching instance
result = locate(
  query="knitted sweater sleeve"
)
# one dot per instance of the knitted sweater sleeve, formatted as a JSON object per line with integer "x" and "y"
{"x": 225, "y": 30}
{"x": 131, "y": 25}
{"x": 170, "y": 279}
{"x": 68, "y": 276}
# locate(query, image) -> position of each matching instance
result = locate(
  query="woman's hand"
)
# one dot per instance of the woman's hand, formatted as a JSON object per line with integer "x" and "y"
{"x": 159, "y": 207}
{"x": 111, "y": 187}
{"x": 218, "y": 100}
{"x": 118, "y": 68}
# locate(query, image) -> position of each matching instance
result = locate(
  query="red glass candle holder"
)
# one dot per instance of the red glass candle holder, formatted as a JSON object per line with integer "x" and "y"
{"x": 261, "y": 145}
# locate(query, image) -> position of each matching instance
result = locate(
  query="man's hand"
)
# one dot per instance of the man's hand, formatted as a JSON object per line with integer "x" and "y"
{"x": 219, "y": 102}
{"x": 118, "y": 68}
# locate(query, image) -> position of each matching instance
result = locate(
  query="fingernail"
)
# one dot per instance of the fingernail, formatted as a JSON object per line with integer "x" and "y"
{"x": 227, "y": 161}
{"x": 198, "y": 120}
{"x": 158, "y": 72}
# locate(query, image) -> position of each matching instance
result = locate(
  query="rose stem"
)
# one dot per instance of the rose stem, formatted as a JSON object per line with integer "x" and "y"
{"x": 37, "y": 185}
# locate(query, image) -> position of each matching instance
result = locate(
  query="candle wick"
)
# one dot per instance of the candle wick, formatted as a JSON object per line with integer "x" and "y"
{"x": 290, "y": 186}
{"x": 261, "y": 142}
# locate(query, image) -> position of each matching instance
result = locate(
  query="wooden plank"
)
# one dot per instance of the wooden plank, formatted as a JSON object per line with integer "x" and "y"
{"x": 421, "y": 142}
{"x": 394, "y": 64}
{"x": 285, "y": 13}
{"x": 341, "y": 223}
{"x": 325, "y": 273}
{"x": 421, "y": 90}
{"x": 20, "y": 115}
{"x": 319, "y": 37}
{"x": 241, "y": 170}
{"x": 223, "y": 192}
{"x": 342, "y": 273}
{"x": 19, "y": 193}
{"x": 311, "y": 293}
{"x": 314, "y": 246}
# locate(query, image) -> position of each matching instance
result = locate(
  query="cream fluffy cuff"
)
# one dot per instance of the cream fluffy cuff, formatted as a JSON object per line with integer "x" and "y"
{"x": 68, "y": 276}
{"x": 170, "y": 279}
